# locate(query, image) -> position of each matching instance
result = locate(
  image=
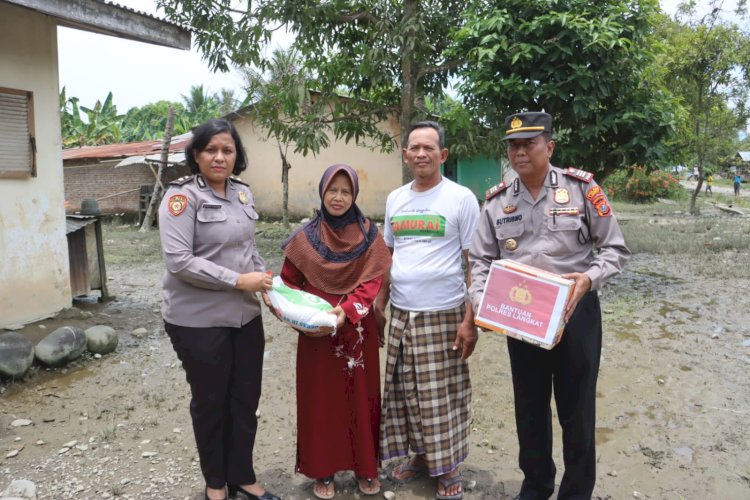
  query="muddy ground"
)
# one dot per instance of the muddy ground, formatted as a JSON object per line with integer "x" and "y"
{"x": 673, "y": 396}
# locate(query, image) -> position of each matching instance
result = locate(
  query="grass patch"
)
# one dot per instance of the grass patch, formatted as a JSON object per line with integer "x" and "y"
{"x": 124, "y": 244}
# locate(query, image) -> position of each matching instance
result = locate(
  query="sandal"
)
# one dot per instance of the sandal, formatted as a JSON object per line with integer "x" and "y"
{"x": 409, "y": 466}
{"x": 326, "y": 482}
{"x": 372, "y": 488}
{"x": 447, "y": 482}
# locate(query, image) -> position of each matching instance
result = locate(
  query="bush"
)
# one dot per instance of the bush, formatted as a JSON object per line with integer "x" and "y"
{"x": 635, "y": 185}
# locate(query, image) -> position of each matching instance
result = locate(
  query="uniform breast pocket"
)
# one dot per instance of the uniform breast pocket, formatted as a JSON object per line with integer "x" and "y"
{"x": 250, "y": 211}
{"x": 509, "y": 231}
{"x": 209, "y": 228}
{"x": 563, "y": 234}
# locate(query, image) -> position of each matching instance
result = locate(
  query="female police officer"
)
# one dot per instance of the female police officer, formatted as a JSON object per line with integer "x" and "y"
{"x": 210, "y": 309}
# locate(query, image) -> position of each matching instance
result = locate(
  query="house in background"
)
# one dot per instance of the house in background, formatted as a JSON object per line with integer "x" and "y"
{"x": 379, "y": 173}
{"x": 116, "y": 175}
{"x": 34, "y": 262}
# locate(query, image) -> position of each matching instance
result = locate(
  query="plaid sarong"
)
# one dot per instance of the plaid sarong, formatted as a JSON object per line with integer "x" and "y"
{"x": 427, "y": 394}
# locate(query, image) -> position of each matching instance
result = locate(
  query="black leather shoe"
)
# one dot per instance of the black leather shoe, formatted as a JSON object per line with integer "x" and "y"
{"x": 236, "y": 491}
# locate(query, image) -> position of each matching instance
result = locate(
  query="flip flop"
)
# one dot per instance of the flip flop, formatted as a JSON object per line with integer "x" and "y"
{"x": 370, "y": 490}
{"x": 325, "y": 481}
{"x": 408, "y": 466}
{"x": 447, "y": 482}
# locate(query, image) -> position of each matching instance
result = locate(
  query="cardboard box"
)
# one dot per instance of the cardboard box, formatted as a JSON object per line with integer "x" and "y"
{"x": 524, "y": 302}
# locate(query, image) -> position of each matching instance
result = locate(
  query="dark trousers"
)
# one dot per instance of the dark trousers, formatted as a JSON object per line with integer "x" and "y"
{"x": 571, "y": 369}
{"x": 224, "y": 367}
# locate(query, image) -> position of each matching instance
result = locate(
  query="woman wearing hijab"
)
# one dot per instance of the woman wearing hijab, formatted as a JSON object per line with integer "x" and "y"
{"x": 341, "y": 257}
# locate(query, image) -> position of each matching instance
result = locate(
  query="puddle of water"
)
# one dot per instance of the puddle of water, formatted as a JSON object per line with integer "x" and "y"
{"x": 604, "y": 435}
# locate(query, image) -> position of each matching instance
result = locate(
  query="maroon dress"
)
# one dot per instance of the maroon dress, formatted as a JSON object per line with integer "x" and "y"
{"x": 338, "y": 386}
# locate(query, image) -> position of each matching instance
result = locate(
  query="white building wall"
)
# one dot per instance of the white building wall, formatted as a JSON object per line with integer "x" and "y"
{"x": 379, "y": 173}
{"x": 34, "y": 269}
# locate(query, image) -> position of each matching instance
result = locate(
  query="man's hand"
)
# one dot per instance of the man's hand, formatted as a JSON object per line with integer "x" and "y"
{"x": 380, "y": 321}
{"x": 582, "y": 285}
{"x": 466, "y": 339}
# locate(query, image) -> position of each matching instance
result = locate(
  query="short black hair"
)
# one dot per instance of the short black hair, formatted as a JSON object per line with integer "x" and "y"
{"x": 202, "y": 135}
{"x": 428, "y": 124}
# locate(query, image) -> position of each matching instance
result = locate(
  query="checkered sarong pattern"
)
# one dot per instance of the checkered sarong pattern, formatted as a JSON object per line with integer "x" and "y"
{"x": 427, "y": 394}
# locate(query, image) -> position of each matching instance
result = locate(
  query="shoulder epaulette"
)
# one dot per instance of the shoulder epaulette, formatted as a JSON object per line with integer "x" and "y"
{"x": 495, "y": 190}
{"x": 581, "y": 175}
{"x": 238, "y": 180}
{"x": 181, "y": 181}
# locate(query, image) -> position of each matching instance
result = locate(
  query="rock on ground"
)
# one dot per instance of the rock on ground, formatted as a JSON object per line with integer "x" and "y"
{"x": 101, "y": 339}
{"x": 16, "y": 354}
{"x": 61, "y": 346}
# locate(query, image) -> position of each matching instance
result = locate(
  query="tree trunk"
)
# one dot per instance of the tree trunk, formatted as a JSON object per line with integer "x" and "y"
{"x": 285, "y": 166}
{"x": 408, "y": 90}
{"x": 148, "y": 220}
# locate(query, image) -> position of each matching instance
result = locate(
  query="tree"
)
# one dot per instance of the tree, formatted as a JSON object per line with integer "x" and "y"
{"x": 370, "y": 59}
{"x": 708, "y": 67}
{"x": 280, "y": 102}
{"x": 586, "y": 63}
{"x": 148, "y": 122}
{"x": 102, "y": 124}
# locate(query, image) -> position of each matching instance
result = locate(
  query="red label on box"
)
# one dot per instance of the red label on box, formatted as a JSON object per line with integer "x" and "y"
{"x": 518, "y": 302}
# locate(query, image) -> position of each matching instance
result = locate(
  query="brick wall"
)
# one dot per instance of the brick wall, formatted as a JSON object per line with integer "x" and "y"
{"x": 116, "y": 189}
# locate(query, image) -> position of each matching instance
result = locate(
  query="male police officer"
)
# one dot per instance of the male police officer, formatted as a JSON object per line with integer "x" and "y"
{"x": 552, "y": 219}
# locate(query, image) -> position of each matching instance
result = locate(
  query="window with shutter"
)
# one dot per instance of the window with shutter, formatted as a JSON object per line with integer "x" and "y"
{"x": 17, "y": 146}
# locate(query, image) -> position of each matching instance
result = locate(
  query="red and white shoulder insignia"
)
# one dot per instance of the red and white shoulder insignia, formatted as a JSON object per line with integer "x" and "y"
{"x": 495, "y": 190}
{"x": 579, "y": 174}
{"x": 177, "y": 204}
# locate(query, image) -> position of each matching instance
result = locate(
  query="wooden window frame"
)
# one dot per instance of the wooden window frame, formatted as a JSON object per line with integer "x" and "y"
{"x": 21, "y": 171}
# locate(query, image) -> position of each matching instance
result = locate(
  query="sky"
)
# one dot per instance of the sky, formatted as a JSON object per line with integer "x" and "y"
{"x": 92, "y": 65}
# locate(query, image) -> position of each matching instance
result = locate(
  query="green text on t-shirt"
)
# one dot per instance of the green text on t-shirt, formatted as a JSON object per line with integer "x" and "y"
{"x": 418, "y": 225}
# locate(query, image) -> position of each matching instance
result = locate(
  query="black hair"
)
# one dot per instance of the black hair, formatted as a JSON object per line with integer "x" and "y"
{"x": 202, "y": 135}
{"x": 429, "y": 124}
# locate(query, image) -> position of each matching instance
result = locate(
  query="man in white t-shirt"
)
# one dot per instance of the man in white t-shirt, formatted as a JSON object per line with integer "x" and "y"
{"x": 429, "y": 225}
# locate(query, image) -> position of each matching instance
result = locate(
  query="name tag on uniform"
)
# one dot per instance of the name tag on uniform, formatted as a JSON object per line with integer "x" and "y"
{"x": 564, "y": 211}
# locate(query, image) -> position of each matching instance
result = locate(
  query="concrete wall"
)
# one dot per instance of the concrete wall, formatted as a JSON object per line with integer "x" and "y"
{"x": 34, "y": 275}
{"x": 379, "y": 173}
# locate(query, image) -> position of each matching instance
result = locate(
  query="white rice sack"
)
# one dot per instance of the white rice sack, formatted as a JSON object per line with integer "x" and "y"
{"x": 301, "y": 310}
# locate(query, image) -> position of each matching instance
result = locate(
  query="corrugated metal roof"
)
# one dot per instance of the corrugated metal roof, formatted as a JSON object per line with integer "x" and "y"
{"x": 75, "y": 222}
{"x": 745, "y": 155}
{"x": 114, "y": 151}
{"x": 142, "y": 13}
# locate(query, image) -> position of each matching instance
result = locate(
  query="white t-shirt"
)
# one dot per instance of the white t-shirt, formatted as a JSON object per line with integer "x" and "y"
{"x": 427, "y": 231}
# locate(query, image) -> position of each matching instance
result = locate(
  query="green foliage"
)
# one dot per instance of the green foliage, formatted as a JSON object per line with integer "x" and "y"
{"x": 636, "y": 185}
{"x": 707, "y": 69}
{"x": 586, "y": 63}
{"x": 83, "y": 126}
{"x": 368, "y": 60}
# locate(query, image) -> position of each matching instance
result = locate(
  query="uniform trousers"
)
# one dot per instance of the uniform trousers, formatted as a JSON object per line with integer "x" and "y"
{"x": 571, "y": 368}
{"x": 224, "y": 367}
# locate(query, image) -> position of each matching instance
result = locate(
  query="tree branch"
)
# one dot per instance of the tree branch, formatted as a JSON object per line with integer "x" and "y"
{"x": 429, "y": 70}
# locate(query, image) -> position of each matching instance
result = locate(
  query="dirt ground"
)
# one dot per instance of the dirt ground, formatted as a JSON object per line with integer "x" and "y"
{"x": 672, "y": 415}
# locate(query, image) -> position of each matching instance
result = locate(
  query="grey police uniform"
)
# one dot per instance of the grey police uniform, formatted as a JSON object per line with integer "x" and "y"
{"x": 215, "y": 329}
{"x": 208, "y": 242}
{"x": 551, "y": 232}
{"x": 556, "y": 232}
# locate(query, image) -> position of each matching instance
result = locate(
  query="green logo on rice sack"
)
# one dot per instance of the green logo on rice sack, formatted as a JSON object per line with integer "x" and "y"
{"x": 300, "y": 298}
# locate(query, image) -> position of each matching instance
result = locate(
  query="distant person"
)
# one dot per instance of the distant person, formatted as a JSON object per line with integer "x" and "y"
{"x": 210, "y": 308}
{"x": 341, "y": 257}
{"x": 695, "y": 175}
{"x": 709, "y": 183}
{"x": 737, "y": 181}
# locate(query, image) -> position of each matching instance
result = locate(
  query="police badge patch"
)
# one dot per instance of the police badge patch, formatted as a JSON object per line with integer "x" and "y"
{"x": 177, "y": 204}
